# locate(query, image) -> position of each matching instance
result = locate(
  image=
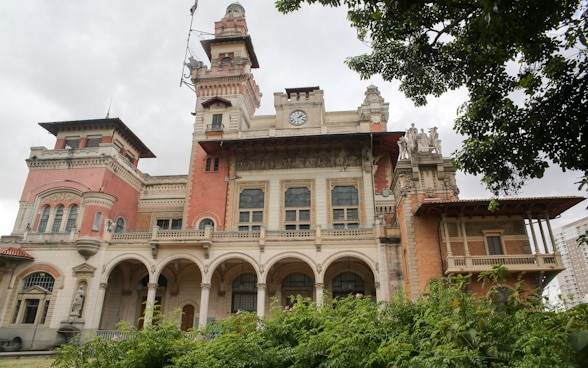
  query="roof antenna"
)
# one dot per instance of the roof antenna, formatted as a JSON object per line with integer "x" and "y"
{"x": 108, "y": 112}
{"x": 192, "y": 11}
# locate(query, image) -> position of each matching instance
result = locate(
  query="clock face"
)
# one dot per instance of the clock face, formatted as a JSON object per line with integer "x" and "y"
{"x": 298, "y": 117}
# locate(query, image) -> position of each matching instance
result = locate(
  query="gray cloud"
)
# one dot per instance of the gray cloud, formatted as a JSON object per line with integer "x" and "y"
{"x": 68, "y": 59}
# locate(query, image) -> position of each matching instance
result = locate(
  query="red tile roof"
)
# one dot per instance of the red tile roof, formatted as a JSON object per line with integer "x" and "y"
{"x": 15, "y": 253}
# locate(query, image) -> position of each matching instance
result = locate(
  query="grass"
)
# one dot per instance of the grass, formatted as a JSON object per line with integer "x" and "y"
{"x": 28, "y": 362}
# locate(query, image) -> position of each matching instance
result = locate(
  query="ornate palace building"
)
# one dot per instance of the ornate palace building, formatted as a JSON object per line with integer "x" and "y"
{"x": 305, "y": 201}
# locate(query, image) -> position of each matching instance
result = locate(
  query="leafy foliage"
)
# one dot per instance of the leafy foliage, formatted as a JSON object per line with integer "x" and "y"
{"x": 523, "y": 62}
{"x": 446, "y": 327}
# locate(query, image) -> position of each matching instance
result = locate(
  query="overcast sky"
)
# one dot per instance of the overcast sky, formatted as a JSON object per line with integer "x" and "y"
{"x": 68, "y": 59}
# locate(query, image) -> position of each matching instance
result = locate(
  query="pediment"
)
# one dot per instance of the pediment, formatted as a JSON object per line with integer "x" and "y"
{"x": 36, "y": 290}
{"x": 84, "y": 270}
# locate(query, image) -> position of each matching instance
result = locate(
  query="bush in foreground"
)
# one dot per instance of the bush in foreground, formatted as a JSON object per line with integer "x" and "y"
{"x": 446, "y": 327}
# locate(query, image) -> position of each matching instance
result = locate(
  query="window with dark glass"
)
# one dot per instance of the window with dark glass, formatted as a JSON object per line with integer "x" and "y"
{"x": 30, "y": 310}
{"x": 72, "y": 142}
{"x": 244, "y": 293}
{"x": 120, "y": 225}
{"x": 297, "y": 207}
{"x": 345, "y": 207}
{"x": 167, "y": 224}
{"x": 94, "y": 141}
{"x": 212, "y": 165}
{"x": 494, "y": 245}
{"x": 251, "y": 202}
{"x": 217, "y": 122}
{"x": 72, "y": 217}
{"x": 44, "y": 219}
{"x": 204, "y": 223}
{"x": 45, "y": 310}
{"x": 57, "y": 219}
{"x": 347, "y": 283}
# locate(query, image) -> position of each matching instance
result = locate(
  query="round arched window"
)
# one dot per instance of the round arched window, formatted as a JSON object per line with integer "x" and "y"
{"x": 206, "y": 222}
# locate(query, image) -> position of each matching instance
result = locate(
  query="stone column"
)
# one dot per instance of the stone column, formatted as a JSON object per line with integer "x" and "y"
{"x": 204, "y": 296}
{"x": 551, "y": 237}
{"x": 464, "y": 235}
{"x": 446, "y": 233}
{"x": 319, "y": 289}
{"x": 151, "y": 291}
{"x": 261, "y": 299}
{"x": 95, "y": 322}
{"x": 535, "y": 243}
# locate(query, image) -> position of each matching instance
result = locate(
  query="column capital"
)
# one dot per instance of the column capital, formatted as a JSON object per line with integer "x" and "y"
{"x": 205, "y": 286}
{"x": 152, "y": 285}
{"x": 103, "y": 285}
{"x": 261, "y": 286}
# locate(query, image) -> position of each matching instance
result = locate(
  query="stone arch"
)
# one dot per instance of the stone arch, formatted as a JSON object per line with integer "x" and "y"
{"x": 227, "y": 256}
{"x": 338, "y": 256}
{"x": 279, "y": 257}
{"x": 121, "y": 258}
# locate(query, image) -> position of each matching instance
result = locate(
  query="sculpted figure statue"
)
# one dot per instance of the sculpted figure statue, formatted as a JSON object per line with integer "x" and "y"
{"x": 78, "y": 302}
{"x": 411, "y": 136}
{"x": 423, "y": 141}
{"x": 403, "y": 145}
{"x": 434, "y": 140}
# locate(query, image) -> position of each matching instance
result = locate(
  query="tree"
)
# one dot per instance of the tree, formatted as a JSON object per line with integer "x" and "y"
{"x": 523, "y": 62}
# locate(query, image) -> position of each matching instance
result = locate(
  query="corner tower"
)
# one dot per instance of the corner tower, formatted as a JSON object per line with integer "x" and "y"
{"x": 229, "y": 76}
{"x": 226, "y": 99}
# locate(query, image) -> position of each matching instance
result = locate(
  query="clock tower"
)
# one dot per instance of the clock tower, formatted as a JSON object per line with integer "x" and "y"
{"x": 300, "y": 108}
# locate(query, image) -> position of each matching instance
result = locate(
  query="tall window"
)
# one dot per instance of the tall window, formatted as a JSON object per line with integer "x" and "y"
{"x": 34, "y": 304}
{"x": 72, "y": 217}
{"x": 345, "y": 206}
{"x": 251, "y": 203}
{"x": 244, "y": 293}
{"x": 44, "y": 219}
{"x": 30, "y": 310}
{"x": 120, "y": 225}
{"x": 297, "y": 203}
{"x": 212, "y": 164}
{"x": 97, "y": 221}
{"x": 494, "y": 245}
{"x": 347, "y": 283}
{"x": 58, "y": 218}
{"x": 217, "y": 122}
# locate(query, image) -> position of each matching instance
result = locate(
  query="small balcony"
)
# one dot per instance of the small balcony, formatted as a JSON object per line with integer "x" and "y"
{"x": 214, "y": 129}
{"x": 513, "y": 263}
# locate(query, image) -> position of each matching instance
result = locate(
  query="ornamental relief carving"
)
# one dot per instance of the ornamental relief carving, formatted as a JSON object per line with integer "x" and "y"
{"x": 63, "y": 198}
{"x": 339, "y": 158}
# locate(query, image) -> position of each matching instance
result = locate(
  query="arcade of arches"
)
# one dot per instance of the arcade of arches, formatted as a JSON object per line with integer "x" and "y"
{"x": 235, "y": 284}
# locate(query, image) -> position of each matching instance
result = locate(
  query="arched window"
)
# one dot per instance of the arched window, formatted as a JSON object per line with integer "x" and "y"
{"x": 347, "y": 283}
{"x": 72, "y": 217}
{"x": 32, "y": 306}
{"x": 244, "y": 293}
{"x": 225, "y": 61}
{"x": 206, "y": 222}
{"x": 120, "y": 225}
{"x": 97, "y": 221}
{"x": 44, "y": 219}
{"x": 42, "y": 279}
{"x": 58, "y": 218}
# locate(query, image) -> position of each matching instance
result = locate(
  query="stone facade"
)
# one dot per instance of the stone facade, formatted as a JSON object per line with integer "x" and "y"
{"x": 304, "y": 202}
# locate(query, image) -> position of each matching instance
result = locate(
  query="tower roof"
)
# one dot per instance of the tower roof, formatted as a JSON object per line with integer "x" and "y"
{"x": 94, "y": 124}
